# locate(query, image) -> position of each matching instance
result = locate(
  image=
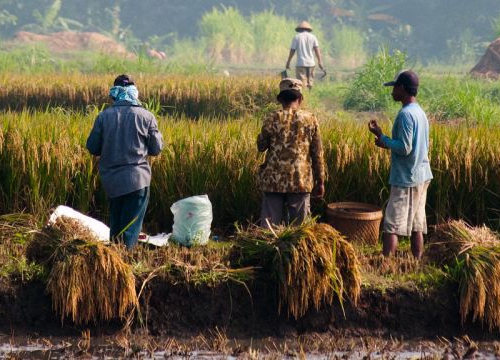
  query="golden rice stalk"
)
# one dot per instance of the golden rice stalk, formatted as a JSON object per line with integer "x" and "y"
{"x": 88, "y": 280}
{"x": 473, "y": 254}
{"x": 311, "y": 264}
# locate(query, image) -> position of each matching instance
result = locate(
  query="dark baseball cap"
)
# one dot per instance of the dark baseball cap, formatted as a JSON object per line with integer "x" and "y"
{"x": 407, "y": 78}
{"x": 123, "y": 80}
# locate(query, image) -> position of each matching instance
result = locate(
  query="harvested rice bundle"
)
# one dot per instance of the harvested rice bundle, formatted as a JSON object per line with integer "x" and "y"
{"x": 88, "y": 280}
{"x": 311, "y": 264}
{"x": 473, "y": 254}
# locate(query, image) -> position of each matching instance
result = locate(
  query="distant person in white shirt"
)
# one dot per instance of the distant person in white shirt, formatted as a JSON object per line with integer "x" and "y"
{"x": 306, "y": 45}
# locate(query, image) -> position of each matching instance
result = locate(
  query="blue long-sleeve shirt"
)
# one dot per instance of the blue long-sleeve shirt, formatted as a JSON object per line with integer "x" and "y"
{"x": 409, "y": 147}
{"x": 123, "y": 136}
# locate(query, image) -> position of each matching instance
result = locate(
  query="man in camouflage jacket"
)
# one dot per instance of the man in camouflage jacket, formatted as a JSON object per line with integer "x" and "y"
{"x": 294, "y": 165}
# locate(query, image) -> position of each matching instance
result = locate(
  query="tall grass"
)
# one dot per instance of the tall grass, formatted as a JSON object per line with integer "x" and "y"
{"x": 452, "y": 98}
{"x": 43, "y": 163}
{"x": 228, "y": 36}
{"x": 367, "y": 91}
{"x": 37, "y": 59}
{"x": 348, "y": 46}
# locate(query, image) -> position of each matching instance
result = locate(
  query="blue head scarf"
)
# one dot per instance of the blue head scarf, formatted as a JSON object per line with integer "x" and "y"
{"x": 127, "y": 93}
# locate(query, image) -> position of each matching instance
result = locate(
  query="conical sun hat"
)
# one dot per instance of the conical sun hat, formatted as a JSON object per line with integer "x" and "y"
{"x": 304, "y": 25}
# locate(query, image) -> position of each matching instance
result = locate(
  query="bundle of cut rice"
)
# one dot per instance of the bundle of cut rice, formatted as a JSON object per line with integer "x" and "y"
{"x": 473, "y": 257}
{"x": 310, "y": 264}
{"x": 88, "y": 281}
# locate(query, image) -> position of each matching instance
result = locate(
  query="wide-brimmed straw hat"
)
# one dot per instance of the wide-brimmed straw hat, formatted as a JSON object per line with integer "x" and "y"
{"x": 304, "y": 25}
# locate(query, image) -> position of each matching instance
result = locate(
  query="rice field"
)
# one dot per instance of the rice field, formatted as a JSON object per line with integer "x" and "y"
{"x": 44, "y": 163}
{"x": 210, "y": 125}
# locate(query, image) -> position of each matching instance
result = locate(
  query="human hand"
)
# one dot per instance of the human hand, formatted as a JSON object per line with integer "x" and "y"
{"x": 375, "y": 128}
{"x": 318, "y": 191}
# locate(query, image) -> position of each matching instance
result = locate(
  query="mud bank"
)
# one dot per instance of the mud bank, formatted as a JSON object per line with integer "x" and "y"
{"x": 248, "y": 312}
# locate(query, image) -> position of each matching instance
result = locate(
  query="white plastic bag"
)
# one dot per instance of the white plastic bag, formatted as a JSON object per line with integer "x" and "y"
{"x": 192, "y": 220}
{"x": 99, "y": 229}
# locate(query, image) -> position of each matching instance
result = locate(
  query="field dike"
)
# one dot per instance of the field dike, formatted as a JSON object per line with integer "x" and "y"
{"x": 261, "y": 283}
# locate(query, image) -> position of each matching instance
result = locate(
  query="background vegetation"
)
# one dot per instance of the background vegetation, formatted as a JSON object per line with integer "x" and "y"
{"x": 237, "y": 31}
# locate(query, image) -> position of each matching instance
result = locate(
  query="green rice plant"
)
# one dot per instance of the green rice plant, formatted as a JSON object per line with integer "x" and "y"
{"x": 367, "y": 91}
{"x": 348, "y": 46}
{"x": 451, "y": 98}
{"x": 310, "y": 264}
{"x": 37, "y": 59}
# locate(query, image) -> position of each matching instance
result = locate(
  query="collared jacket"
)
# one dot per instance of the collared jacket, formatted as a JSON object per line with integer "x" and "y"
{"x": 123, "y": 136}
{"x": 294, "y": 159}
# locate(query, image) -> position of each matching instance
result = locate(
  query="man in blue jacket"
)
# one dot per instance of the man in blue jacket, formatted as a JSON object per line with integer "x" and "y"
{"x": 123, "y": 136}
{"x": 410, "y": 173}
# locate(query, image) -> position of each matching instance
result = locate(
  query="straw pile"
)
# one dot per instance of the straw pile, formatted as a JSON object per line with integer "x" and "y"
{"x": 88, "y": 281}
{"x": 310, "y": 264}
{"x": 473, "y": 257}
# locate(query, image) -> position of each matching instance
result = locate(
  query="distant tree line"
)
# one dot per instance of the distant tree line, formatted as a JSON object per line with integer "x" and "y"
{"x": 429, "y": 30}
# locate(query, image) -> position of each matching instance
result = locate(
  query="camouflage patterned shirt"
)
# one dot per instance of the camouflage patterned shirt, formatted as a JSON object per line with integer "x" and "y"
{"x": 294, "y": 159}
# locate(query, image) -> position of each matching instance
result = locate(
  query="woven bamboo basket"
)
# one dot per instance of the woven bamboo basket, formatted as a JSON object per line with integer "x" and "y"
{"x": 358, "y": 222}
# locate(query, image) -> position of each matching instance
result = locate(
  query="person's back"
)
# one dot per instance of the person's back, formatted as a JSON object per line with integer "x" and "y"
{"x": 304, "y": 43}
{"x": 294, "y": 165}
{"x": 122, "y": 137}
{"x": 127, "y": 141}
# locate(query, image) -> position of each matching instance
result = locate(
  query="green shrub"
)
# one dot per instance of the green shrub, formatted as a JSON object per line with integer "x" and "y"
{"x": 367, "y": 91}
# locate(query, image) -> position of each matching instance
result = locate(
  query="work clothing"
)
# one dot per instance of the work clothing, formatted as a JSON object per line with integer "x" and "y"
{"x": 126, "y": 215}
{"x": 405, "y": 211}
{"x": 306, "y": 75}
{"x": 123, "y": 136}
{"x": 409, "y": 147}
{"x": 304, "y": 43}
{"x": 294, "y": 159}
{"x": 293, "y": 208}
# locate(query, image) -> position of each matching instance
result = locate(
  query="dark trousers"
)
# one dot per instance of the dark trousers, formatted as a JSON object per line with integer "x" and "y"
{"x": 284, "y": 207}
{"x": 127, "y": 212}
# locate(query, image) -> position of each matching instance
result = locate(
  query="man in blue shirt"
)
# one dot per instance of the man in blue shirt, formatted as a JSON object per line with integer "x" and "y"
{"x": 123, "y": 136}
{"x": 410, "y": 173}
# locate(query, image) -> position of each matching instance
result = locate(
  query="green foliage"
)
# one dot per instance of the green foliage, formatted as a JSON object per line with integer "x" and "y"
{"x": 495, "y": 25}
{"x": 452, "y": 98}
{"x": 348, "y": 46}
{"x": 464, "y": 48}
{"x": 367, "y": 91}
{"x": 37, "y": 59}
{"x": 227, "y": 35}
{"x": 272, "y": 36}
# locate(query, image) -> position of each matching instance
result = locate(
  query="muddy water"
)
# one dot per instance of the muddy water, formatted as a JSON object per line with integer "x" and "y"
{"x": 217, "y": 346}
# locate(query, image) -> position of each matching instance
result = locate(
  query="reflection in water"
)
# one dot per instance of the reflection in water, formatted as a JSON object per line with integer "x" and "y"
{"x": 312, "y": 346}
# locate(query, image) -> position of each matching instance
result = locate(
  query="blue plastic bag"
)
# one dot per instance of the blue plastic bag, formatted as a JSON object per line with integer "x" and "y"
{"x": 192, "y": 220}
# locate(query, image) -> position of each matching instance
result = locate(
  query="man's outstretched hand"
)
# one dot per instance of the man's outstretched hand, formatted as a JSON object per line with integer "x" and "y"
{"x": 375, "y": 128}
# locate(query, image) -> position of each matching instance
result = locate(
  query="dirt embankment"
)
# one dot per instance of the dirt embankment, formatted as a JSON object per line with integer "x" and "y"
{"x": 68, "y": 41}
{"x": 178, "y": 310}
